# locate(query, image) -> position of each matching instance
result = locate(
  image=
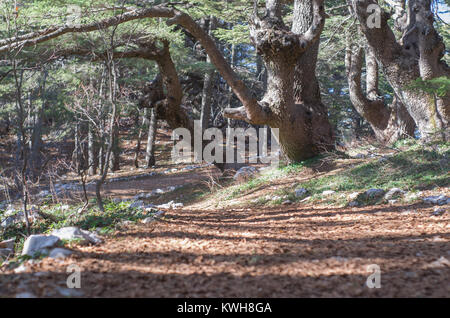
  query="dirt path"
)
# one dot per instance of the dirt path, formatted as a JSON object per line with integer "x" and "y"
{"x": 281, "y": 252}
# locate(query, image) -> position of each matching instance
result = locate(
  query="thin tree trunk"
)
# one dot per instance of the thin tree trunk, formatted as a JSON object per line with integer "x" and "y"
{"x": 150, "y": 151}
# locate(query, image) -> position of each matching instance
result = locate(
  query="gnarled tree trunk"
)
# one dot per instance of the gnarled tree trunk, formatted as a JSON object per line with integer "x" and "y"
{"x": 418, "y": 54}
{"x": 389, "y": 123}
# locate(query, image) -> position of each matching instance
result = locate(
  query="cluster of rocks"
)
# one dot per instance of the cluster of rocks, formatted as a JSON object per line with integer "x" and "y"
{"x": 13, "y": 216}
{"x": 60, "y": 189}
{"x": 42, "y": 244}
{"x": 154, "y": 193}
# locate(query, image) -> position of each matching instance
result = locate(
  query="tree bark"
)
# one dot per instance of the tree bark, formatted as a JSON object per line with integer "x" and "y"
{"x": 418, "y": 54}
{"x": 389, "y": 123}
{"x": 150, "y": 151}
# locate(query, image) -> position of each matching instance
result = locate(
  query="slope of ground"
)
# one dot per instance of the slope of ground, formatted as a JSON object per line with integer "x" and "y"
{"x": 236, "y": 240}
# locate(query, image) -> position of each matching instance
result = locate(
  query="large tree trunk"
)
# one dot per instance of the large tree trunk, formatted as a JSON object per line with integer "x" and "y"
{"x": 292, "y": 101}
{"x": 207, "y": 85}
{"x": 416, "y": 55}
{"x": 389, "y": 123}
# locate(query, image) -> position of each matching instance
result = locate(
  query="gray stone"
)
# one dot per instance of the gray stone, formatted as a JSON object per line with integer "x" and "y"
{"x": 353, "y": 204}
{"x": 137, "y": 204}
{"x": 328, "y": 192}
{"x": 39, "y": 244}
{"x": 439, "y": 200}
{"x": 287, "y": 202}
{"x": 59, "y": 253}
{"x": 394, "y": 193}
{"x": 5, "y": 252}
{"x": 301, "y": 193}
{"x": 375, "y": 193}
{"x": 74, "y": 233}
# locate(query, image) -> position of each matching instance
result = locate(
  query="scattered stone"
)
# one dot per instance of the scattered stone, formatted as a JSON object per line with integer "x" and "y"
{"x": 8, "y": 243}
{"x": 328, "y": 192}
{"x": 375, "y": 193}
{"x": 353, "y": 204}
{"x": 74, "y": 233}
{"x": 59, "y": 253}
{"x": 137, "y": 204}
{"x": 394, "y": 193}
{"x": 178, "y": 205}
{"x": 301, "y": 193}
{"x": 438, "y": 211}
{"x": 439, "y": 200}
{"x": 9, "y": 221}
{"x": 306, "y": 199}
{"x": 360, "y": 156}
{"x": 287, "y": 202}
{"x": 21, "y": 269}
{"x": 392, "y": 201}
{"x": 159, "y": 214}
{"x": 148, "y": 220}
{"x": 438, "y": 239}
{"x": 440, "y": 263}
{"x": 353, "y": 195}
{"x": 39, "y": 244}
{"x": 244, "y": 174}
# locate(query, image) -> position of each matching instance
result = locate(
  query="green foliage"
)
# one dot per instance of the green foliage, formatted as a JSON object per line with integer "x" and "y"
{"x": 439, "y": 86}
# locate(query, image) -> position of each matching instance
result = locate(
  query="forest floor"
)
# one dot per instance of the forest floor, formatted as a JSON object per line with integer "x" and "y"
{"x": 228, "y": 242}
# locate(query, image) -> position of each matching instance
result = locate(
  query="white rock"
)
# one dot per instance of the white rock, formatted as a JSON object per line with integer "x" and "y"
{"x": 21, "y": 269}
{"x": 39, "y": 244}
{"x": 148, "y": 220}
{"x": 177, "y": 205}
{"x": 74, "y": 233}
{"x": 328, "y": 192}
{"x": 394, "y": 193}
{"x": 440, "y": 263}
{"x": 353, "y": 195}
{"x": 287, "y": 202}
{"x": 59, "y": 253}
